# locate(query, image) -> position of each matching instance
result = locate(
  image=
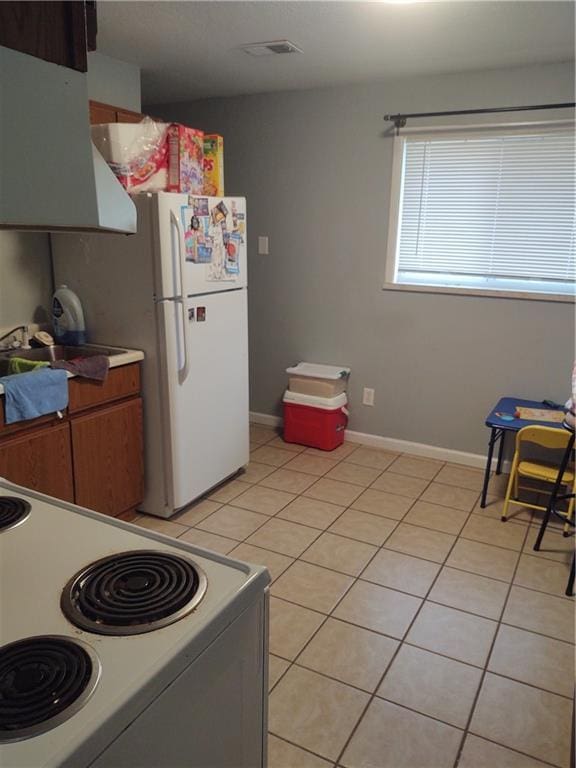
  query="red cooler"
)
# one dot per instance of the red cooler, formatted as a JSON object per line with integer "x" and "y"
{"x": 318, "y": 422}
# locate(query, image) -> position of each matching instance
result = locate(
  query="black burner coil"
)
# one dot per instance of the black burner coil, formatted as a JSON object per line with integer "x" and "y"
{"x": 133, "y": 592}
{"x": 12, "y": 511}
{"x": 40, "y": 679}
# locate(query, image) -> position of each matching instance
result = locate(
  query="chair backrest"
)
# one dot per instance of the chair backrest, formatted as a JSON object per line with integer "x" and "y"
{"x": 546, "y": 437}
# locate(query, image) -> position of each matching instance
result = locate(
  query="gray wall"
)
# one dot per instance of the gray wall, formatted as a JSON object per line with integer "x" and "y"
{"x": 315, "y": 168}
{"x": 113, "y": 82}
{"x": 25, "y": 278}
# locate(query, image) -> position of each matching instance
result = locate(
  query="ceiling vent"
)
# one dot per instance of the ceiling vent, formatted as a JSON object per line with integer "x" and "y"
{"x": 273, "y": 47}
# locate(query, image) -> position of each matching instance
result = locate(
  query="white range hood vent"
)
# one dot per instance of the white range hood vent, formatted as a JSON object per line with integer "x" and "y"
{"x": 52, "y": 178}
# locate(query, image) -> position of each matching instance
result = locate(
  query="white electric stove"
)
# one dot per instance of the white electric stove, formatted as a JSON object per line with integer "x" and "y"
{"x": 123, "y": 647}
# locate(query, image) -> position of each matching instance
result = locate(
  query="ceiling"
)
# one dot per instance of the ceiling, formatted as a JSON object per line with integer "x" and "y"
{"x": 190, "y": 50}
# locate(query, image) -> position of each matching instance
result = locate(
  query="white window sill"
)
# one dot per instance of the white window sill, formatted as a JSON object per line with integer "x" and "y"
{"x": 457, "y": 291}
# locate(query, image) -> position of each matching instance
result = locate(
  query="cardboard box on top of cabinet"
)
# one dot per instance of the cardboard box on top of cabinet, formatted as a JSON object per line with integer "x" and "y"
{"x": 213, "y": 165}
{"x": 153, "y": 157}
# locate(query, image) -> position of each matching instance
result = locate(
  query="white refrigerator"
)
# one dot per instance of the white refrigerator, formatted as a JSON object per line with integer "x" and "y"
{"x": 178, "y": 291}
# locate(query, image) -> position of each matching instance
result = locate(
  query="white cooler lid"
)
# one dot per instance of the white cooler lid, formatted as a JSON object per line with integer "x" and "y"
{"x": 318, "y": 371}
{"x": 328, "y": 403}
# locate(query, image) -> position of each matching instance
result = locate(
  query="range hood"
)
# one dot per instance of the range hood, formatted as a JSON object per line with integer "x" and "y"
{"x": 52, "y": 178}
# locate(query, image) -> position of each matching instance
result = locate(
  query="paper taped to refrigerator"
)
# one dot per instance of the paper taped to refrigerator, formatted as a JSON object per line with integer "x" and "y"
{"x": 214, "y": 236}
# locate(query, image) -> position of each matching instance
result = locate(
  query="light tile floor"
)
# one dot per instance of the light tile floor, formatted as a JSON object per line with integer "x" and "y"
{"x": 409, "y": 627}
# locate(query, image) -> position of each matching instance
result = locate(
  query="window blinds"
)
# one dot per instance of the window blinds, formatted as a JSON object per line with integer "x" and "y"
{"x": 491, "y": 211}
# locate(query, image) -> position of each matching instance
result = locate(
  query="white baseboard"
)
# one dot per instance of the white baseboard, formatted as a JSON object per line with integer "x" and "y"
{"x": 265, "y": 419}
{"x": 400, "y": 446}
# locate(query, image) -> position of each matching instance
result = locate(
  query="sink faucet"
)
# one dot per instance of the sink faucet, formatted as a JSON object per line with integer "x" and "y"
{"x": 25, "y": 342}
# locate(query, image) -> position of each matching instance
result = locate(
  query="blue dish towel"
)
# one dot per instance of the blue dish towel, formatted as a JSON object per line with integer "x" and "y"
{"x": 28, "y": 395}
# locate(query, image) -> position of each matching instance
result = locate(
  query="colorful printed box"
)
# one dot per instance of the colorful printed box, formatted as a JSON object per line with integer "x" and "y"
{"x": 185, "y": 159}
{"x": 213, "y": 165}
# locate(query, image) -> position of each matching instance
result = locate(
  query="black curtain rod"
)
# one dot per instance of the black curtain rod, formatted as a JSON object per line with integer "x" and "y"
{"x": 400, "y": 119}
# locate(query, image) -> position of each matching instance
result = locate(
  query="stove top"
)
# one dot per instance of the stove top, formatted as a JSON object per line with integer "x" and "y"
{"x": 78, "y": 580}
{"x": 133, "y": 592}
{"x": 44, "y": 680}
{"x": 13, "y": 511}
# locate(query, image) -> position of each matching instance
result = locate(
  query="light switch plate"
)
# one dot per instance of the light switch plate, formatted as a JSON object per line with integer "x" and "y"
{"x": 368, "y": 396}
{"x": 263, "y": 246}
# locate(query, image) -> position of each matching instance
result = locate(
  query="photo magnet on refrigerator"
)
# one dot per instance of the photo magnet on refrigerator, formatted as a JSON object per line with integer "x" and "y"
{"x": 232, "y": 244}
{"x": 199, "y": 206}
{"x": 198, "y": 243}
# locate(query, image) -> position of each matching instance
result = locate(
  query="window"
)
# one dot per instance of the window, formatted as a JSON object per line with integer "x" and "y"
{"x": 492, "y": 210}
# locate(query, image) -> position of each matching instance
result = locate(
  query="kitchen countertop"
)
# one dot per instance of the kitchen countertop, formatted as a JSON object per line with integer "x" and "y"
{"x": 128, "y": 356}
{"x": 125, "y": 358}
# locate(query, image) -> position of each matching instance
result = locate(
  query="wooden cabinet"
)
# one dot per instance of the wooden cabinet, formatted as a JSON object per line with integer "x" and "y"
{"x": 107, "y": 113}
{"x": 41, "y": 460}
{"x": 108, "y": 461}
{"x": 121, "y": 382}
{"x": 93, "y": 456}
{"x": 125, "y": 116}
{"x": 60, "y": 32}
{"x": 101, "y": 113}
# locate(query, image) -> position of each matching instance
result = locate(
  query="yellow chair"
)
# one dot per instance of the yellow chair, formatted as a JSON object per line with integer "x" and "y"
{"x": 545, "y": 437}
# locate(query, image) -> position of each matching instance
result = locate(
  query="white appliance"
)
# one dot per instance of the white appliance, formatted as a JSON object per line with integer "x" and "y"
{"x": 178, "y": 291}
{"x": 180, "y": 681}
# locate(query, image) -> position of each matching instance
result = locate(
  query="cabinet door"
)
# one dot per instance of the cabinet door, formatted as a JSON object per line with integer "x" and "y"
{"x": 101, "y": 113}
{"x": 40, "y": 460}
{"x": 108, "y": 458}
{"x": 126, "y": 116}
{"x": 54, "y": 31}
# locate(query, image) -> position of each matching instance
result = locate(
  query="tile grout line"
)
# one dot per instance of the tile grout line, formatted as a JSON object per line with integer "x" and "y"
{"x": 397, "y": 522}
{"x": 458, "y": 535}
{"x": 293, "y": 662}
{"x": 298, "y": 558}
{"x": 412, "y": 644}
{"x": 394, "y": 656}
{"x": 356, "y": 578}
{"x": 275, "y": 515}
{"x": 374, "y": 693}
{"x": 350, "y": 507}
{"x": 308, "y": 751}
{"x": 519, "y": 553}
{"x": 345, "y": 459}
{"x": 516, "y": 751}
{"x": 489, "y": 656}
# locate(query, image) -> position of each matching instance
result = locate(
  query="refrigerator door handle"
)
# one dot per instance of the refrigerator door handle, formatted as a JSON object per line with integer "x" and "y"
{"x": 181, "y": 299}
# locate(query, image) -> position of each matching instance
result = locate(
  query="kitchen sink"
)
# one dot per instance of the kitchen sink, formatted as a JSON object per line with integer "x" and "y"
{"x": 56, "y": 352}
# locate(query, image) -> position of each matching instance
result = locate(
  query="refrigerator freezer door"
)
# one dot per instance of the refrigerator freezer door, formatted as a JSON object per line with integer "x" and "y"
{"x": 204, "y": 238}
{"x": 208, "y": 409}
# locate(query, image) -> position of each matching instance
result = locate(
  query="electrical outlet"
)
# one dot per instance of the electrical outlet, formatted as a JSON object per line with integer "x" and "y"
{"x": 367, "y": 396}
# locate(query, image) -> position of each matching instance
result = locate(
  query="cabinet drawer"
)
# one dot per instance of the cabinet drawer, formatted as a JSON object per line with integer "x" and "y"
{"x": 121, "y": 382}
{"x": 40, "y": 460}
{"x": 20, "y": 426}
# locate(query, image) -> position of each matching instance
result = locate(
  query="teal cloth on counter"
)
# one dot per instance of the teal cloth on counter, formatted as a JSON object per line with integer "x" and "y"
{"x": 33, "y": 394}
